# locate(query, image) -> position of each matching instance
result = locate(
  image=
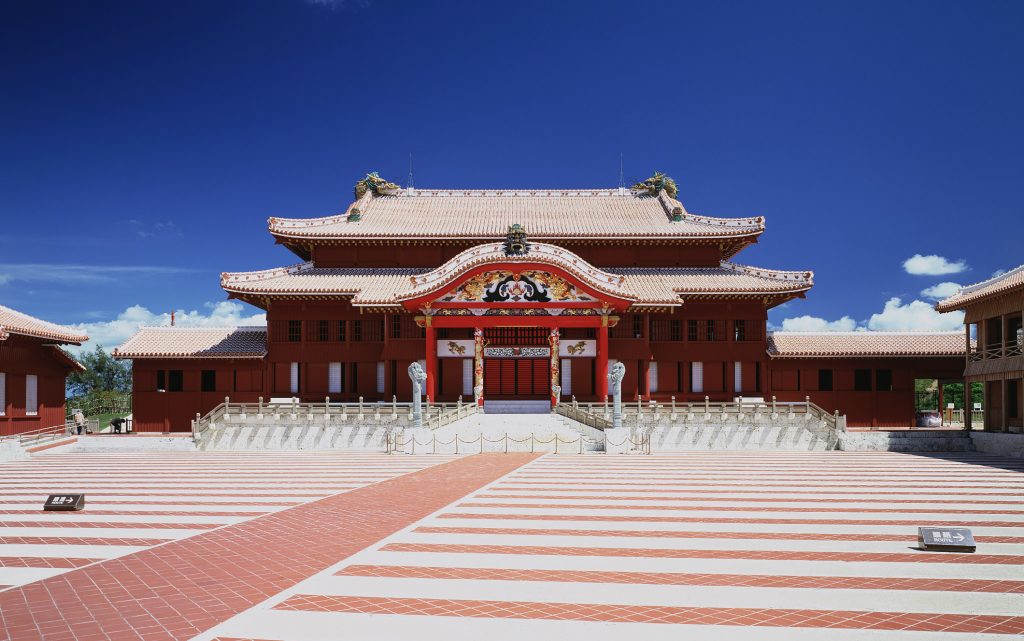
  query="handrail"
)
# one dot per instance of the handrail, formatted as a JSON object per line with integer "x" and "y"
{"x": 327, "y": 408}
{"x": 42, "y": 434}
{"x": 589, "y": 418}
{"x": 447, "y": 417}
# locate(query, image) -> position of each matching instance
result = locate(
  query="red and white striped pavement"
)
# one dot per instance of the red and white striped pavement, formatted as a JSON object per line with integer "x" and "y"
{"x": 137, "y": 501}
{"x": 716, "y": 545}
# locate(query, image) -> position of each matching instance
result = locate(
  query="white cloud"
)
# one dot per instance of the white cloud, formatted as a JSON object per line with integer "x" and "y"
{"x": 57, "y": 273}
{"x": 914, "y": 316}
{"x": 999, "y": 272}
{"x": 815, "y": 324}
{"x": 940, "y": 291}
{"x": 113, "y": 333}
{"x": 933, "y": 265}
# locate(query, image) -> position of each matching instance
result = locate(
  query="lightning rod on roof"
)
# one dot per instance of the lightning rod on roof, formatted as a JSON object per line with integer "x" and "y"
{"x": 622, "y": 180}
{"x": 411, "y": 184}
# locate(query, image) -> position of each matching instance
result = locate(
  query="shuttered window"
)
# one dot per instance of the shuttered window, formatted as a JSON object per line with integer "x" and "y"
{"x": 31, "y": 395}
{"x": 467, "y": 377}
{"x": 696, "y": 377}
{"x": 335, "y": 378}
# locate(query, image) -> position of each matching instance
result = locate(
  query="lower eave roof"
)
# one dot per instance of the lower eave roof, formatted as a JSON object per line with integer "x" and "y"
{"x": 866, "y": 344}
{"x": 195, "y": 342}
{"x": 384, "y": 287}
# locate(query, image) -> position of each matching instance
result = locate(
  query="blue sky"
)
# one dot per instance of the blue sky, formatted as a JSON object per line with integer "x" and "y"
{"x": 144, "y": 144}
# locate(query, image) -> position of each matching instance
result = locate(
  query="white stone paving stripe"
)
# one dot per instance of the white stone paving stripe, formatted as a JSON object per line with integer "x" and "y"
{"x": 326, "y": 626}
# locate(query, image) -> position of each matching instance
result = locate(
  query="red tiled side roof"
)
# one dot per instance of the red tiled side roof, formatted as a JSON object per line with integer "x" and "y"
{"x": 546, "y": 215}
{"x": 865, "y": 344}
{"x": 15, "y": 322}
{"x": 195, "y": 342}
{"x": 1011, "y": 280}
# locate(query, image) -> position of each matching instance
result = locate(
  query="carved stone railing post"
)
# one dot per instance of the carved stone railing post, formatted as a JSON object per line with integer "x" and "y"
{"x": 615, "y": 384}
{"x": 419, "y": 377}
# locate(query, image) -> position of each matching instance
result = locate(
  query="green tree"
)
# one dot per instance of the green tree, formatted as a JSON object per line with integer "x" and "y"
{"x": 103, "y": 375}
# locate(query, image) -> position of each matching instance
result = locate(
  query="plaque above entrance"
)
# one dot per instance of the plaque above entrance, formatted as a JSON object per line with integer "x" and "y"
{"x": 517, "y": 352}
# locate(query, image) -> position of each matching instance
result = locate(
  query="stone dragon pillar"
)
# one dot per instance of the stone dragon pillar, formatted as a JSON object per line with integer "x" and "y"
{"x": 556, "y": 382}
{"x": 478, "y": 366}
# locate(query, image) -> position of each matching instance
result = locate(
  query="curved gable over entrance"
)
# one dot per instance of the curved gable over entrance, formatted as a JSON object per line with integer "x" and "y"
{"x": 546, "y": 276}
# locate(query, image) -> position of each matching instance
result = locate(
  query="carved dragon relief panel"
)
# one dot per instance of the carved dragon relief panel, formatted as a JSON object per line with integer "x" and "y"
{"x": 530, "y": 286}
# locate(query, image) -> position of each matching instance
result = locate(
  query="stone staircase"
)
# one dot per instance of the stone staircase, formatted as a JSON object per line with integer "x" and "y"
{"x": 492, "y": 432}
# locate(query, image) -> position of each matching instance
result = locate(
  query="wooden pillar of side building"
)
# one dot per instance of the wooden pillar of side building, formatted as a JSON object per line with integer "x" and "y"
{"x": 431, "y": 353}
{"x": 602, "y": 359}
{"x": 968, "y": 404}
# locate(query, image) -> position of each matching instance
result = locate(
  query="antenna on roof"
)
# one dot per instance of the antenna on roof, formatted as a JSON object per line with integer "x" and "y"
{"x": 622, "y": 180}
{"x": 411, "y": 184}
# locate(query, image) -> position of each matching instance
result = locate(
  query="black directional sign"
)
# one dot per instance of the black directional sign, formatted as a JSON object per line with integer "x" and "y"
{"x": 65, "y": 502}
{"x": 946, "y": 539}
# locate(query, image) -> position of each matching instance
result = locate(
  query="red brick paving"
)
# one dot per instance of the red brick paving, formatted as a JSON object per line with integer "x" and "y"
{"x": 78, "y": 540}
{"x": 179, "y": 589}
{"x": 771, "y": 555}
{"x": 606, "y": 613}
{"x": 679, "y": 578}
{"x": 114, "y": 524}
{"x": 42, "y": 562}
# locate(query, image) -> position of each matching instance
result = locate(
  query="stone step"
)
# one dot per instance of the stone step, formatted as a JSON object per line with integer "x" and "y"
{"x": 517, "y": 407}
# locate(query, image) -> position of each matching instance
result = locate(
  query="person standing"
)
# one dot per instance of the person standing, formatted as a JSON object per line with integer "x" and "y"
{"x": 79, "y": 420}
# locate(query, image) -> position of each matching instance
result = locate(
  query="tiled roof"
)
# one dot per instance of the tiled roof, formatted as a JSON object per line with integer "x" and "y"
{"x": 653, "y": 285}
{"x": 367, "y": 285}
{"x": 15, "y": 322}
{"x": 1013, "y": 279}
{"x": 195, "y": 342}
{"x": 864, "y": 344}
{"x": 546, "y": 215}
{"x": 646, "y": 286}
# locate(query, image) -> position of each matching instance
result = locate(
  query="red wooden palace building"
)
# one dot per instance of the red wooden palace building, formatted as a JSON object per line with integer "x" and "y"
{"x": 512, "y": 294}
{"x": 32, "y": 371}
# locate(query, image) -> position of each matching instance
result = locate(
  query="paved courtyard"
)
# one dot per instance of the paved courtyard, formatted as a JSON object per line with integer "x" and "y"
{"x": 317, "y": 546}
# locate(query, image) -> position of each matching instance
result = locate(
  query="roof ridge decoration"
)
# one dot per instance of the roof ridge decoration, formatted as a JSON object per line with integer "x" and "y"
{"x": 656, "y": 184}
{"x": 516, "y": 243}
{"x": 495, "y": 252}
{"x": 14, "y": 322}
{"x": 370, "y": 186}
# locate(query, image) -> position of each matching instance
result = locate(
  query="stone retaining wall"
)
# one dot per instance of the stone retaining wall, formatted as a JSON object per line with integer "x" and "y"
{"x": 1003, "y": 444}
{"x": 906, "y": 441}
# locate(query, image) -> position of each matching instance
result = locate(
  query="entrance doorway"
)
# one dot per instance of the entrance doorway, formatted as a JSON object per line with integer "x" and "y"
{"x": 516, "y": 377}
{"x": 520, "y": 378}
